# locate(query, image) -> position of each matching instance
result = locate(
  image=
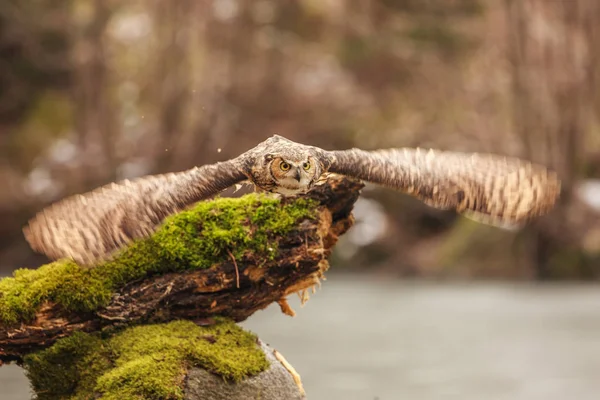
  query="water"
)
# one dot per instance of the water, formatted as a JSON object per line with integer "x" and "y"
{"x": 366, "y": 338}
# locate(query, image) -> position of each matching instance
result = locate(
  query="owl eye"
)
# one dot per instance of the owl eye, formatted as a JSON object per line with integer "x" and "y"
{"x": 284, "y": 166}
{"x": 306, "y": 165}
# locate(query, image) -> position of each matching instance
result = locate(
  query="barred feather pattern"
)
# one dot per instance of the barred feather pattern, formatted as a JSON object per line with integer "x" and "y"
{"x": 488, "y": 188}
{"x": 91, "y": 226}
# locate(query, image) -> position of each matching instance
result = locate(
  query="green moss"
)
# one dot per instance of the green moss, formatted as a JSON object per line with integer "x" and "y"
{"x": 70, "y": 364}
{"x": 192, "y": 239}
{"x": 143, "y": 362}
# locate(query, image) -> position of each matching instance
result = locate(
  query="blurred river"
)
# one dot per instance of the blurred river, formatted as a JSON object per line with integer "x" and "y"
{"x": 365, "y": 338}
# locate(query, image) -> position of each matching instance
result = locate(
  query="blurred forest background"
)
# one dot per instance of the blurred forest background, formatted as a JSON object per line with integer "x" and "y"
{"x": 98, "y": 90}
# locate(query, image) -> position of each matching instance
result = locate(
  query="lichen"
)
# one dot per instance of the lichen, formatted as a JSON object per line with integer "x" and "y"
{"x": 193, "y": 239}
{"x": 142, "y": 362}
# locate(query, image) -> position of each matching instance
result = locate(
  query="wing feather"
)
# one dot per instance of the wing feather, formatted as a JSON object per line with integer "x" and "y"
{"x": 90, "y": 227}
{"x": 489, "y": 188}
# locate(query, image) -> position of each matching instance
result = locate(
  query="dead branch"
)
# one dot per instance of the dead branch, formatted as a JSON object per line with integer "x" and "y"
{"x": 234, "y": 288}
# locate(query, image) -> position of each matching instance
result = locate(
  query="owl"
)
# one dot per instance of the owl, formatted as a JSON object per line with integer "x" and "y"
{"x": 488, "y": 188}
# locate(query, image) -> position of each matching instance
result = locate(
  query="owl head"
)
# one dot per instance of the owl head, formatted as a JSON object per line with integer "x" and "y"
{"x": 291, "y": 174}
{"x": 282, "y": 166}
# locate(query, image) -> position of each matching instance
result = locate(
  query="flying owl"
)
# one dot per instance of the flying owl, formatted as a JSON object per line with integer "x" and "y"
{"x": 488, "y": 188}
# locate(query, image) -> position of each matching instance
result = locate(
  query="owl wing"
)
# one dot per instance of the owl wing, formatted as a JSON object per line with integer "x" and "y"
{"x": 488, "y": 188}
{"x": 90, "y": 227}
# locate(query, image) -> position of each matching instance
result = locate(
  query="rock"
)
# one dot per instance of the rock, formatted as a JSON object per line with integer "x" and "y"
{"x": 276, "y": 383}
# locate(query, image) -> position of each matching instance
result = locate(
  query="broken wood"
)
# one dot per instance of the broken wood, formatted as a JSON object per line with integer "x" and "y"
{"x": 232, "y": 288}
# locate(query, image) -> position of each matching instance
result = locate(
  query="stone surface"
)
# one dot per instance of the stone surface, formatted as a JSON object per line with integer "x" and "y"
{"x": 276, "y": 383}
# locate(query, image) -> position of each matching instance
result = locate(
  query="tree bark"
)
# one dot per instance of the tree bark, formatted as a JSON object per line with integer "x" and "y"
{"x": 234, "y": 289}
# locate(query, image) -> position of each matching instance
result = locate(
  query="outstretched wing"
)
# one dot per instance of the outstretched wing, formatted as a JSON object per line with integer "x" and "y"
{"x": 488, "y": 188}
{"x": 90, "y": 227}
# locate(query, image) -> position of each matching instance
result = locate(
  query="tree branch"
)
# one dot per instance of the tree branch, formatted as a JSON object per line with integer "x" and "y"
{"x": 233, "y": 288}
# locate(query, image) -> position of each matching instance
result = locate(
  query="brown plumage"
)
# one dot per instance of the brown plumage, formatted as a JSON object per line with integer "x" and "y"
{"x": 489, "y": 188}
{"x": 91, "y": 226}
{"x": 486, "y": 187}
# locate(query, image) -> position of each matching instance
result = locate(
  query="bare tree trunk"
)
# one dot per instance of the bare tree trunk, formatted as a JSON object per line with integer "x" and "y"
{"x": 552, "y": 55}
{"x": 170, "y": 84}
{"x": 94, "y": 116}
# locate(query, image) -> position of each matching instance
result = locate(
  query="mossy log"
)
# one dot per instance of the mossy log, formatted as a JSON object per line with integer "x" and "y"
{"x": 222, "y": 258}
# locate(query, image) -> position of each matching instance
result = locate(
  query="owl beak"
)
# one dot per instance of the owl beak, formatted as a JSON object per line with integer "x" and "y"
{"x": 297, "y": 174}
